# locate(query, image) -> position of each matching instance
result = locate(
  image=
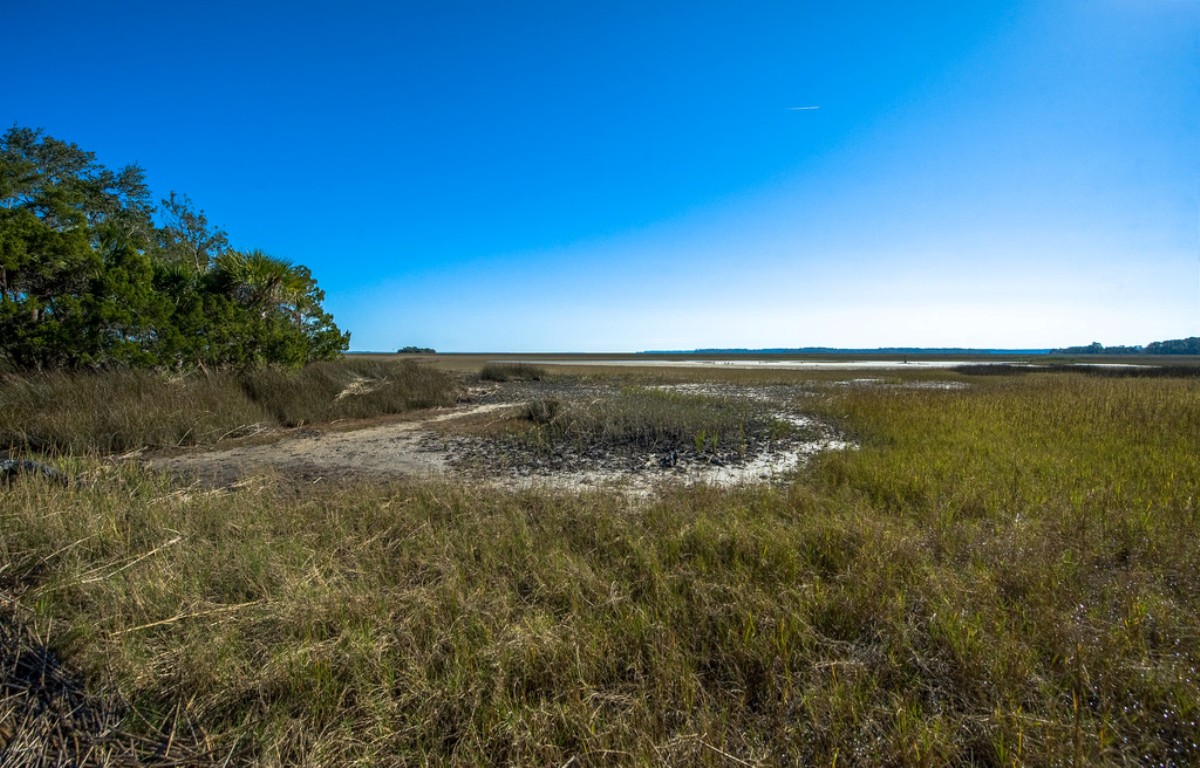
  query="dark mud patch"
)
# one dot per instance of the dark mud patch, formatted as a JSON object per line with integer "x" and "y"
{"x": 576, "y": 433}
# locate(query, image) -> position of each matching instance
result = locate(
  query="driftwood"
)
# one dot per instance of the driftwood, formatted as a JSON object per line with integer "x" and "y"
{"x": 10, "y": 468}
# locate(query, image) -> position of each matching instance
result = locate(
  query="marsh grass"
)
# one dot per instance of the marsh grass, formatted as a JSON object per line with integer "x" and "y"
{"x": 348, "y": 389}
{"x": 649, "y": 418}
{"x": 640, "y": 419}
{"x": 542, "y": 410}
{"x": 1006, "y": 575}
{"x": 589, "y": 426}
{"x": 512, "y": 372}
{"x": 1140, "y": 370}
{"x": 123, "y": 410}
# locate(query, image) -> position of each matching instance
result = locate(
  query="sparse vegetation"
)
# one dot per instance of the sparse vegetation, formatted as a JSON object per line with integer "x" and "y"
{"x": 543, "y": 410}
{"x": 639, "y": 418}
{"x": 1002, "y": 575}
{"x": 585, "y": 427}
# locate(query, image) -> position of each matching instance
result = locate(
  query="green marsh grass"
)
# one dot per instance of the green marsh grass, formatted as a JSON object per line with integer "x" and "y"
{"x": 1003, "y": 575}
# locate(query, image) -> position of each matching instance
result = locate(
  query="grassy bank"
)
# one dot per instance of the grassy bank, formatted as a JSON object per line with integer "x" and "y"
{"x": 121, "y": 410}
{"x": 1003, "y": 575}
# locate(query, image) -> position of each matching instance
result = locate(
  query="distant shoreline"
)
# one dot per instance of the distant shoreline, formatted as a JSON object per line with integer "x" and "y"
{"x": 849, "y": 351}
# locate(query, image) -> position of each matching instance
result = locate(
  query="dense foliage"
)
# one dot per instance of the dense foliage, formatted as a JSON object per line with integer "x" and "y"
{"x": 88, "y": 278}
{"x": 1188, "y": 346}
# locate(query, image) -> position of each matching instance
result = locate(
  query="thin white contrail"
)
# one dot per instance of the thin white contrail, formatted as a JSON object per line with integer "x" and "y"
{"x": 801, "y": 109}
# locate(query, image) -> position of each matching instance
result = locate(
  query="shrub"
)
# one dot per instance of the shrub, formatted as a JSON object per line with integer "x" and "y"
{"x": 544, "y": 410}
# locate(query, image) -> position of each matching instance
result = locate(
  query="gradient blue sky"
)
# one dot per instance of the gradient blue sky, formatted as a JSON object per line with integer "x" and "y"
{"x": 618, "y": 176}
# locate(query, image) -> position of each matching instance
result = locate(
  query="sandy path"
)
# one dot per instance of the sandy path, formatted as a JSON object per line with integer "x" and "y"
{"x": 388, "y": 449}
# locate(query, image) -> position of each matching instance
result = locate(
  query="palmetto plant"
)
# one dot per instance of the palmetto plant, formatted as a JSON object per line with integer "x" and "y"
{"x": 262, "y": 282}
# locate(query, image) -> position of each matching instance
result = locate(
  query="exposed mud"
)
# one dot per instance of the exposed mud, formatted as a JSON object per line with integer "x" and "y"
{"x": 487, "y": 439}
{"x": 580, "y": 462}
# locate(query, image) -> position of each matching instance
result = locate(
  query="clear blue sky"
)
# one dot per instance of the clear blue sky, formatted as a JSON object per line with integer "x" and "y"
{"x": 611, "y": 176}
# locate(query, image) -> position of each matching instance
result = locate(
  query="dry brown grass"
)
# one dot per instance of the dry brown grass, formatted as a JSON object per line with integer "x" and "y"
{"x": 115, "y": 411}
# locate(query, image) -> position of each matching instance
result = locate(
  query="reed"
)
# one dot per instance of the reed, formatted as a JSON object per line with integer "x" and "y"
{"x": 124, "y": 410}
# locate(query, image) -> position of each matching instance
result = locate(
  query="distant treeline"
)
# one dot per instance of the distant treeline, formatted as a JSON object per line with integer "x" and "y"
{"x": 93, "y": 275}
{"x": 1188, "y": 346}
{"x": 416, "y": 351}
{"x": 844, "y": 351}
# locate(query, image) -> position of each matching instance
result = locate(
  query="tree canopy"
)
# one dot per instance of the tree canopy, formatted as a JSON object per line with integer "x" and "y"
{"x": 1188, "y": 346}
{"x": 88, "y": 278}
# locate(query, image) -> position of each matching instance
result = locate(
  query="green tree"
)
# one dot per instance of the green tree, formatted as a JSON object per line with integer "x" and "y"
{"x": 64, "y": 221}
{"x": 186, "y": 237}
{"x": 87, "y": 279}
{"x": 284, "y": 319}
{"x": 1188, "y": 346}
